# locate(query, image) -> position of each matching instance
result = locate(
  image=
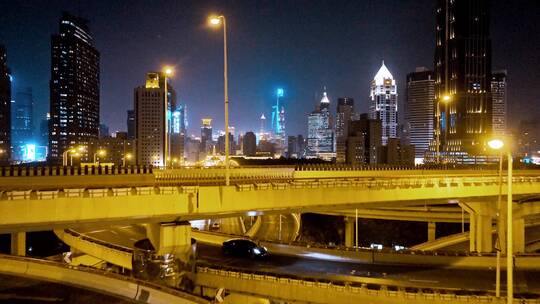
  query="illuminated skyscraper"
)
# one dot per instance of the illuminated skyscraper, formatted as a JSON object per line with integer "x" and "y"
{"x": 383, "y": 102}
{"x": 419, "y": 111}
{"x": 263, "y": 123}
{"x": 206, "y": 135}
{"x": 131, "y": 124}
{"x": 74, "y": 88}
{"x": 344, "y": 113}
{"x": 463, "y": 72}
{"x": 149, "y": 104}
{"x": 22, "y": 123}
{"x": 320, "y": 141}
{"x": 5, "y": 108}
{"x": 498, "y": 96}
{"x": 278, "y": 116}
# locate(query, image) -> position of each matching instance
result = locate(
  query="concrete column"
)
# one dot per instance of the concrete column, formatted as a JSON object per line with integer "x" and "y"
{"x": 18, "y": 243}
{"x": 484, "y": 233}
{"x": 169, "y": 238}
{"x": 481, "y": 225}
{"x": 431, "y": 228}
{"x": 349, "y": 232}
{"x": 519, "y": 235}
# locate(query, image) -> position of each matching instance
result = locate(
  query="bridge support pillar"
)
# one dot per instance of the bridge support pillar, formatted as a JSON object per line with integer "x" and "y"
{"x": 167, "y": 256}
{"x": 431, "y": 228}
{"x": 349, "y": 232}
{"x": 481, "y": 226}
{"x": 518, "y": 227}
{"x": 18, "y": 243}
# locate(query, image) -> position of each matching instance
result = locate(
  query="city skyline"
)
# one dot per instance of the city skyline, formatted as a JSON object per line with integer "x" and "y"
{"x": 253, "y": 84}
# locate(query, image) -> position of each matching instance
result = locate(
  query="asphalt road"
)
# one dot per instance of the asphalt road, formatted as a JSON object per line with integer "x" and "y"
{"x": 412, "y": 276}
{"x": 15, "y": 289}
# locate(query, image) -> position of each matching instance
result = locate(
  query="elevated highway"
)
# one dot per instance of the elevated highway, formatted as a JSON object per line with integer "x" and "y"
{"x": 307, "y": 190}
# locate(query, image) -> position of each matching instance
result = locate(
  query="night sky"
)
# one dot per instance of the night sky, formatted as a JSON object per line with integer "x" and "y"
{"x": 298, "y": 45}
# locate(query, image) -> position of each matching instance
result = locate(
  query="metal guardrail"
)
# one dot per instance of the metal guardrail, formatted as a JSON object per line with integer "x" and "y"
{"x": 26, "y": 171}
{"x": 138, "y": 282}
{"x": 375, "y": 289}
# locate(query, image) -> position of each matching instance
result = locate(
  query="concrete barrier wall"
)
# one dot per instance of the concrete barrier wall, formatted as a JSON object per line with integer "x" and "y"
{"x": 94, "y": 280}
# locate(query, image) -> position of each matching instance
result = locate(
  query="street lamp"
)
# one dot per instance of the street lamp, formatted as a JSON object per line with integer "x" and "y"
{"x": 167, "y": 71}
{"x": 101, "y": 153}
{"x": 70, "y": 151}
{"x": 216, "y": 21}
{"x": 498, "y": 144}
{"x": 127, "y": 156}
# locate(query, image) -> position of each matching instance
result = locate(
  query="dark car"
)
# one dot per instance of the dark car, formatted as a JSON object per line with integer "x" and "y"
{"x": 243, "y": 248}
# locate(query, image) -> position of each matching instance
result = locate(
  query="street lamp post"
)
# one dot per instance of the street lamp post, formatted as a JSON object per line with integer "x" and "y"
{"x": 215, "y": 21}
{"x": 126, "y": 156}
{"x": 498, "y": 144}
{"x": 100, "y": 153}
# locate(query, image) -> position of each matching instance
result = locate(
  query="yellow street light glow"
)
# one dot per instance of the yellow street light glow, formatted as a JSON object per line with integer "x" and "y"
{"x": 129, "y": 156}
{"x": 80, "y": 148}
{"x": 102, "y": 152}
{"x": 496, "y": 144}
{"x": 214, "y": 20}
{"x": 168, "y": 71}
{"x": 446, "y": 98}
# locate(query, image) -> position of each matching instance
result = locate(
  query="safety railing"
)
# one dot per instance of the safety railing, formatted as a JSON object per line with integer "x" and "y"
{"x": 365, "y": 286}
{"x": 27, "y": 171}
{"x": 368, "y": 183}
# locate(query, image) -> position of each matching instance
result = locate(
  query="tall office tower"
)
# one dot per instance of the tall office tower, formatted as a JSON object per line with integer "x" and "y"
{"x": 5, "y": 108}
{"x": 221, "y": 144}
{"x": 206, "y": 135}
{"x": 44, "y": 130}
{"x": 529, "y": 138}
{"x": 364, "y": 141}
{"x": 150, "y": 113}
{"x": 22, "y": 122}
{"x": 462, "y": 73}
{"x": 320, "y": 141}
{"x": 104, "y": 131}
{"x": 278, "y": 115}
{"x": 345, "y": 110}
{"x": 383, "y": 102}
{"x": 419, "y": 111}
{"x": 249, "y": 144}
{"x": 131, "y": 124}
{"x": 498, "y": 97}
{"x": 74, "y": 88}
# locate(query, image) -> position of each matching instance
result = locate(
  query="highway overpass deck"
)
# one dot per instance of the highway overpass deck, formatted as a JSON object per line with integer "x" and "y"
{"x": 63, "y": 207}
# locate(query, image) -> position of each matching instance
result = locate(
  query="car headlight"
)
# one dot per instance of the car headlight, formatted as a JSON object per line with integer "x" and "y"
{"x": 256, "y": 250}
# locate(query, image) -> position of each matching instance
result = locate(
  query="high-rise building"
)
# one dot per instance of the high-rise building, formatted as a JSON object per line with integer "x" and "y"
{"x": 463, "y": 107}
{"x": 22, "y": 123}
{"x": 5, "y": 108}
{"x": 498, "y": 97}
{"x": 364, "y": 141}
{"x": 345, "y": 110}
{"x": 278, "y": 115}
{"x": 221, "y": 144}
{"x": 104, "y": 131}
{"x": 150, "y": 113}
{"x": 44, "y": 130}
{"x": 419, "y": 111}
{"x": 74, "y": 88}
{"x": 249, "y": 144}
{"x": 131, "y": 127}
{"x": 320, "y": 141}
{"x": 383, "y": 102}
{"x": 529, "y": 137}
{"x": 206, "y": 135}
{"x": 119, "y": 150}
